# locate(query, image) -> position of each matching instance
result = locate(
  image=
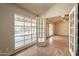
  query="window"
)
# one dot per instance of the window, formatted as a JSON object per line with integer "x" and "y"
{"x": 25, "y": 31}
{"x": 41, "y": 30}
{"x": 50, "y": 29}
{"x": 33, "y": 30}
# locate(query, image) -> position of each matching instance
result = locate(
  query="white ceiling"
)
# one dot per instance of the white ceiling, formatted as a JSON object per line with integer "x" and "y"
{"x": 59, "y": 18}
{"x": 36, "y": 8}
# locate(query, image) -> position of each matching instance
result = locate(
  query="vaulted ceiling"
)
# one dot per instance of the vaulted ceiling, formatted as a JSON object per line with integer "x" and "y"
{"x": 36, "y": 8}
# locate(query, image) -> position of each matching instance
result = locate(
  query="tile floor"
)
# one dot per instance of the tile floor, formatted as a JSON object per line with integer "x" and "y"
{"x": 56, "y": 46}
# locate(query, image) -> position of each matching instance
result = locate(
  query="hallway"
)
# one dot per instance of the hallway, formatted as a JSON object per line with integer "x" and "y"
{"x": 57, "y": 46}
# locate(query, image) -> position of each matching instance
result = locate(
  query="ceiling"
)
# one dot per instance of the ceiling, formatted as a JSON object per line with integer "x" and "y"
{"x": 36, "y": 8}
{"x": 58, "y": 18}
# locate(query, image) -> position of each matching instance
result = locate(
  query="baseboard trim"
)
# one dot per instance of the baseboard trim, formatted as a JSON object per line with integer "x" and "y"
{"x": 17, "y": 50}
{"x": 61, "y": 35}
{"x": 57, "y": 35}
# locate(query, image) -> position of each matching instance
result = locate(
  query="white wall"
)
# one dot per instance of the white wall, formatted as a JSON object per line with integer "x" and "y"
{"x": 7, "y": 13}
{"x": 62, "y": 28}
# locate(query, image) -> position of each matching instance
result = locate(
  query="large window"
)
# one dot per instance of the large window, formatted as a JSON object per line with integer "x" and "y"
{"x": 25, "y": 31}
{"x": 33, "y": 30}
{"x": 50, "y": 29}
{"x": 41, "y": 30}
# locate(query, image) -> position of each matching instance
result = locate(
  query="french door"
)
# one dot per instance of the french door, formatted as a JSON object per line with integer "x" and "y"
{"x": 73, "y": 31}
